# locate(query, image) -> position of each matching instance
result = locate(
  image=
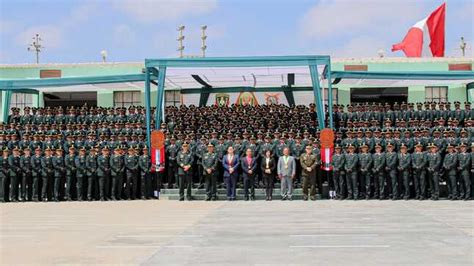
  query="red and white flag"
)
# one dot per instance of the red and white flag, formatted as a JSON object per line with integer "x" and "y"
{"x": 426, "y": 37}
{"x": 158, "y": 159}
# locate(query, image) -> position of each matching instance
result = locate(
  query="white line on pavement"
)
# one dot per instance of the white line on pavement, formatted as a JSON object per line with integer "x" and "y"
{"x": 343, "y": 246}
{"x": 156, "y": 236}
{"x": 336, "y": 235}
{"x": 141, "y": 246}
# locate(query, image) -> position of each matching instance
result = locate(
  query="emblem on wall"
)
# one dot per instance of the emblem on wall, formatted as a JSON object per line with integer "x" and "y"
{"x": 247, "y": 98}
{"x": 222, "y": 99}
{"x": 272, "y": 98}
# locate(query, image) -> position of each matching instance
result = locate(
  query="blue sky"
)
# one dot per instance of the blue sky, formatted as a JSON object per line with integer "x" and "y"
{"x": 131, "y": 30}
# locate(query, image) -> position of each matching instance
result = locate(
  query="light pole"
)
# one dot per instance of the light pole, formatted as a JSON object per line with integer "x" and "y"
{"x": 180, "y": 41}
{"x": 103, "y": 53}
{"x": 36, "y": 46}
{"x": 462, "y": 45}
{"x": 203, "y": 40}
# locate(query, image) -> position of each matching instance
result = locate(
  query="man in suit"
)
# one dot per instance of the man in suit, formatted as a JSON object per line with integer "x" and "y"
{"x": 249, "y": 166}
{"x": 286, "y": 169}
{"x": 231, "y": 163}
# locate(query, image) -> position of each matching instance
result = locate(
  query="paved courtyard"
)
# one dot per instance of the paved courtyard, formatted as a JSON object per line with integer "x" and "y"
{"x": 238, "y": 233}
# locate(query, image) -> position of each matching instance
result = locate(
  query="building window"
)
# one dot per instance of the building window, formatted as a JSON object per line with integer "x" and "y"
{"x": 436, "y": 94}
{"x": 172, "y": 98}
{"x": 21, "y": 100}
{"x": 127, "y": 98}
{"x": 334, "y": 96}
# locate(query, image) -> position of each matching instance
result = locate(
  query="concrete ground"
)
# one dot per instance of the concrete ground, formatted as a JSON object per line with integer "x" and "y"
{"x": 238, "y": 233}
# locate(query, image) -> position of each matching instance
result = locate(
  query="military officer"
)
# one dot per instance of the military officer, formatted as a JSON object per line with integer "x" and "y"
{"x": 338, "y": 171}
{"x": 404, "y": 165}
{"x": 350, "y": 167}
{"x": 378, "y": 171}
{"x": 144, "y": 163}
{"x": 309, "y": 162}
{"x": 80, "y": 172}
{"x": 184, "y": 162}
{"x": 365, "y": 164}
{"x": 25, "y": 165}
{"x": 464, "y": 162}
{"x": 36, "y": 173}
{"x": 117, "y": 167}
{"x": 391, "y": 162}
{"x": 450, "y": 163}
{"x": 433, "y": 167}
{"x": 131, "y": 173}
{"x": 14, "y": 173}
{"x": 418, "y": 161}
{"x": 59, "y": 171}
{"x": 69, "y": 161}
{"x": 209, "y": 166}
{"x": 103, "y": 172}
{"x": 172, "y": 152}
{"x": 4, "y": 174}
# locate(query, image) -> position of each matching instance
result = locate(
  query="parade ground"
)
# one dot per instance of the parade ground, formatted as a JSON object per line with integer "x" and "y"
{"x": 238, "y": 233}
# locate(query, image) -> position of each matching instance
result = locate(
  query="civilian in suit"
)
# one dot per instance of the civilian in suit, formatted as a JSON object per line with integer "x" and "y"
{"x": 286, "y": 173}
{"x": 268, "y": 172}
{"x": 249, "y": 168}
{"x": 231, "y": 163}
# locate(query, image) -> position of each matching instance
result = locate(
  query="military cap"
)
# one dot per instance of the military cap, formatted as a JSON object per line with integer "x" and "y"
{"x": 418, "y": 144}
{"x": 432, "y": 145}
{"x": 337, "y": 147}
{"x": 403, "y": 146}
{"x": 185, "y": 144}
{"x": 462, "y": 144}
{"x": 210, "y": 145}
{"x": 377, "y": 145}
{"x": 131, "y": 148}
{"x": 72, "y": 147}
{"x": 106, "y": 148}
{"x": 5, "y": 149}
{"x": 449, "y": 146}
{"x": 389, "y": 144}
{"x": 38, "y": 148}
{"x": 47, "y": 149}
{"x": 82, "y": 148}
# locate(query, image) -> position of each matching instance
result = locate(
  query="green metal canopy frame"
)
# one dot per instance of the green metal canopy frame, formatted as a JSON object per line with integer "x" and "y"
{"x": 158, "y": 68}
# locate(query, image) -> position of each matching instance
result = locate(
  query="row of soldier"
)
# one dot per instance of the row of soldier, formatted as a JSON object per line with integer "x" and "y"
{"x": 51, "y": 175}
{"x": 387, "y": 173}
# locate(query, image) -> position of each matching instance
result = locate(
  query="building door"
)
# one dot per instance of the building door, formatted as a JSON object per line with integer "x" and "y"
{"x": 379, "y": 95}
{"x": 65, "y": 99}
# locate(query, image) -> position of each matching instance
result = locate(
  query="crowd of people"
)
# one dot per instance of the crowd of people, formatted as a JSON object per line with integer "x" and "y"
{"x": 380, "y": 151}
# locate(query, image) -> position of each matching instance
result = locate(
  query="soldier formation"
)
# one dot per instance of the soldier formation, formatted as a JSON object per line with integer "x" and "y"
{"x": 381, "y": 151}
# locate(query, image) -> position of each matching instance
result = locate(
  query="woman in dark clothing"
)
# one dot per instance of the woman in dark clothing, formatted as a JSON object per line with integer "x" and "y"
{"x": 268, "y": 172}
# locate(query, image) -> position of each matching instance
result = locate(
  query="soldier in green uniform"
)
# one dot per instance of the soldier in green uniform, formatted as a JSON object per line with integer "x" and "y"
{"x": 36, "y": 173}
{"x": 433, "y": 167}
{"x": 378, "y": 170}
{"x": 14, "y": 173}
{"x": 418, "y": 162}
{"x": 117, "y": 167}
{"x": 391, "y": 162}
{"x": 131, "y": 173}
{"x": 365, "y": 163}
{"x": 337, "y": 163}
{"x": 59, "y": 171}
{"x": 69, "y": 161}
{"x": 185, "y": 161}
{"x": 4, "y": 174}
{"x": 309, "y": 162}
{"x": 450, "y": 163}
{"x": 404, "y": 165}
{"x": 80, "y": 171}
{"x": 103, "y": 172}
{"x": 209, "y": 166}
{"x": 464, "y": 162}
{"x": 144, "y": 163}
{"x": 25, "y": 165}
{"x": 172, "y": 152}
{"x": 350, "y": 167}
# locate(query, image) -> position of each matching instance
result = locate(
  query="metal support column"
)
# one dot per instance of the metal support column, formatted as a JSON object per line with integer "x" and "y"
{"x": 330, "y": 103}
{"x": 6, "y": 107}
{"x": 159, "y": 96}
{"x": 147, "y": 107}
{"x": 313, "y": 70}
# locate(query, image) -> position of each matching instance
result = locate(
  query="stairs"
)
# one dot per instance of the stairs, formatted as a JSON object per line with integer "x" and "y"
{"x": 200, "y": 194}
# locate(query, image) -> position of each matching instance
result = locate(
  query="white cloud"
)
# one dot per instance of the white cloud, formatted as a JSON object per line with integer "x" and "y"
{"x": 164, "y": 10}
{"x": 51, "y": 35}
{"x": 335, "y": 18}
{"x": 7, "y": 26}
{"x": 360, "y": 46}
